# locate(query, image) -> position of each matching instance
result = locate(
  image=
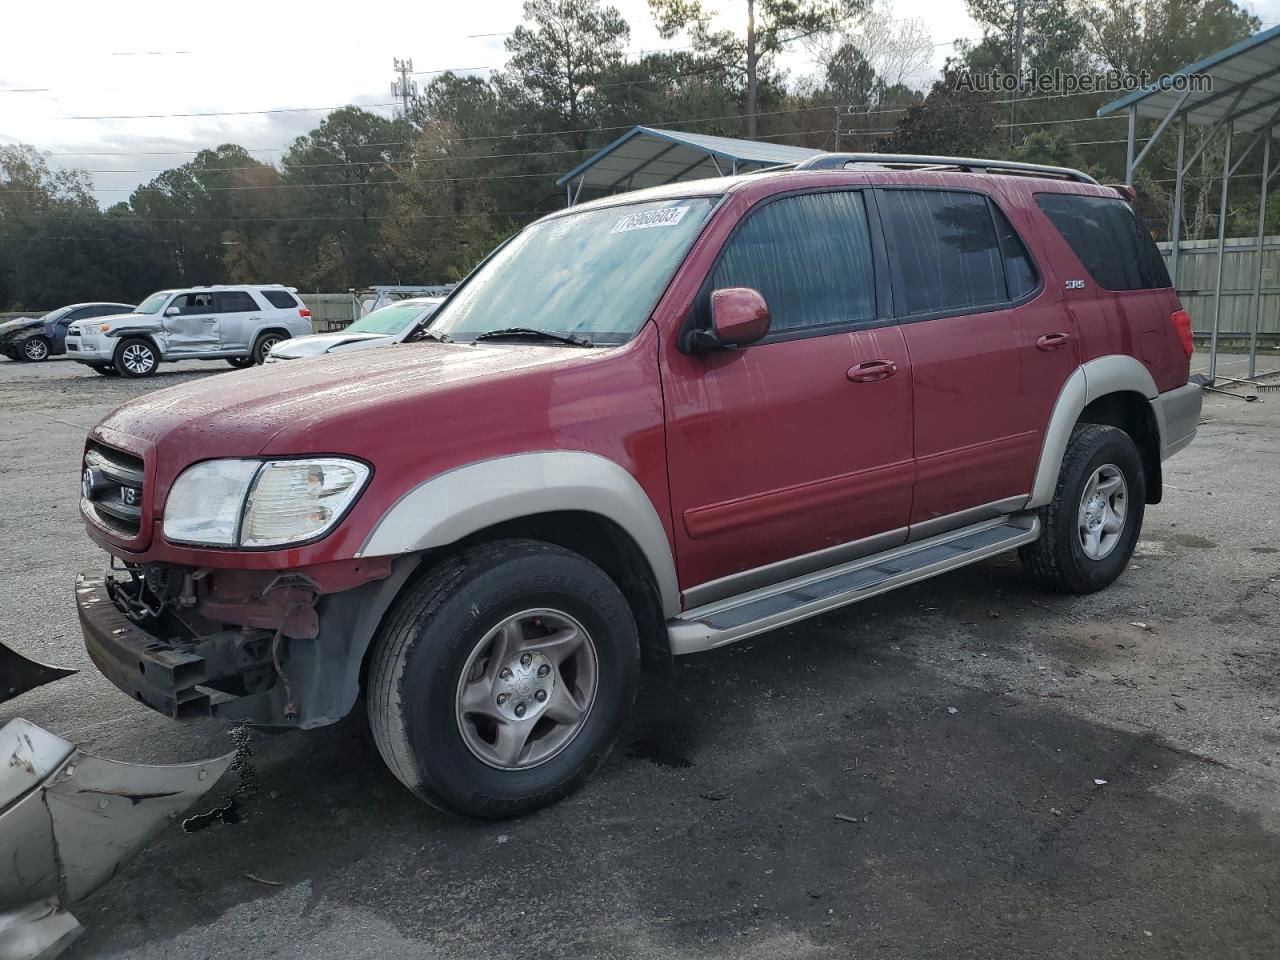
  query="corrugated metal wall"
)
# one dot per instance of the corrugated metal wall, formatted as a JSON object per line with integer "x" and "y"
{"x": 1197, "y": 277}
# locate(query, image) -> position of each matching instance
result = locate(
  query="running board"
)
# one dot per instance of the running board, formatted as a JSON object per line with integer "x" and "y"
{"x": 779, "y": 604}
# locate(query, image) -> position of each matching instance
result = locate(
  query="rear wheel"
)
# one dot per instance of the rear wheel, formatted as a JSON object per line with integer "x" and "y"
{"x": 35, "y": 349}
{"x": 136, "y": 357}
{"x": 1089, "y": 530}
{"x": 264, "y": 344}
{"x": 501, "y": 679}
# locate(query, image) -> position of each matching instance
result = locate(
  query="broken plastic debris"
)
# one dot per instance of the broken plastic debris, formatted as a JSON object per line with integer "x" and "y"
{"x": 1099, "y": 783}
{"x": 952, "y": 710}
{"x": 69, "y": 821}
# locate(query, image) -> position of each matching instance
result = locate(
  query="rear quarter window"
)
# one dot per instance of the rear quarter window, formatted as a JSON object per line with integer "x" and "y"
{"x": 280, "y": 299}
{"x": 1110, "y": 240}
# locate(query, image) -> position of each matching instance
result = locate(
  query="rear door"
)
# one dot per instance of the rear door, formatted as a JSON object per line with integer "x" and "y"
{"x": 793, "y": 453}
{"x": 238, "y": 317}
{"x": 191, "y": 324}
{"x": 985, "y": 373}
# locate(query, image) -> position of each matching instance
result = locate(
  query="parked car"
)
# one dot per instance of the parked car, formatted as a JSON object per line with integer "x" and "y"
{"x": 381, "y": 328}
{"x": 33, "y": 340}
{"x": 238, "y": 323}
{"x": 647, "y": 426}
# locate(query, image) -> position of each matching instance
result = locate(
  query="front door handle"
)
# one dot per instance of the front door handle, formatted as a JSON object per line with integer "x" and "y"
{"x": 870, "y": 371}
{"x": 1053, "y": 341}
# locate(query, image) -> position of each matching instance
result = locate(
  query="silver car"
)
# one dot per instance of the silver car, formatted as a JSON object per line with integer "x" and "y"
{"x": 237, "y": 323}
{"x": 383, "y": 327}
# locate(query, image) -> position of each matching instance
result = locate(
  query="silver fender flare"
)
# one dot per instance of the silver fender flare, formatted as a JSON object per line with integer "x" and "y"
{"x": 1097, "y": 378}
{"x": 462, "y": 501}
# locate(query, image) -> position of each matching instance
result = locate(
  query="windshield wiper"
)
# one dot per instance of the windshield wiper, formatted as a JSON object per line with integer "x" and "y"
{"x": 572, "y": 338}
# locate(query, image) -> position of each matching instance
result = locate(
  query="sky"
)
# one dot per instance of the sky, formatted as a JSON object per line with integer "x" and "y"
{"x": 134, "y": 76}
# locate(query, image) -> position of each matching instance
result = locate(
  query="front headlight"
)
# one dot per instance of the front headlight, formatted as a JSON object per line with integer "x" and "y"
{"x": 257, "y": 503}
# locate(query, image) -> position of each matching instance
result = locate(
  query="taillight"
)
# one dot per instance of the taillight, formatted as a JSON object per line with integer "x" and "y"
{"x": 304, "y": 313}
{"x": 1181, "y": 321}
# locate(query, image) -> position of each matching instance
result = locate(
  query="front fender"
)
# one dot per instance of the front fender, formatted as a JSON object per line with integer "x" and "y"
{"x": 456, "y": 504}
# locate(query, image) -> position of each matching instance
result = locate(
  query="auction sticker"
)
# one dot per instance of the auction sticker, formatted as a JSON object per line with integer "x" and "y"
{"x": 666, "y": 217}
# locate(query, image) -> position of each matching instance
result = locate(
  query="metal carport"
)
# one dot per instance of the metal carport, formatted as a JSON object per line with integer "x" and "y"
{"x": 648, "y": 157}
{"x": 1241, "y": 95}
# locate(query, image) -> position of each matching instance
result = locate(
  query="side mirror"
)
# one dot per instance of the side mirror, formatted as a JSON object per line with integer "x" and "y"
{"x": 172, "y": 312}
{"x": 739, "y": 316}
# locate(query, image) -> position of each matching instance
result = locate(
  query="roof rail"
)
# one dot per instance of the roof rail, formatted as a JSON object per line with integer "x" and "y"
{"x": 838, "y": 161}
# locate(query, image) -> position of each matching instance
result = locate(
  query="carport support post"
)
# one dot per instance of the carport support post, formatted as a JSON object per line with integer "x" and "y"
{"x": 1257, "y": 267}
{"x": 1128, "y": 154}
{"x": 1175, "y": 229}
{"x": 1222, "y": 249}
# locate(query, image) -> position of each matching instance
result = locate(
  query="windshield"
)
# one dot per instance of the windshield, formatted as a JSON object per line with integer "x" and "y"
{"x": 595, "y": 274}
{"x": 388, "y": 320}
{"x": 153, "y": 303}
{"x": 54, "y": 315}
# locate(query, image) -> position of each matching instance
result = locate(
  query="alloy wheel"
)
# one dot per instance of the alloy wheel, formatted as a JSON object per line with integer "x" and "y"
{"x": 35, "y": 350}
{"x": 1103, "y": 508}
{"x": 527, "y": 689}
{"x": 138, "y": 358}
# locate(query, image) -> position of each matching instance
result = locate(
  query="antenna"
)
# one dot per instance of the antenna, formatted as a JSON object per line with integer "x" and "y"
{"x": 405, "y": 88}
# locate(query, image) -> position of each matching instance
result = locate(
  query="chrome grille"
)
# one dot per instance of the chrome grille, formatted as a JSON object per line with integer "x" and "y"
{"x": 111, "y": 485}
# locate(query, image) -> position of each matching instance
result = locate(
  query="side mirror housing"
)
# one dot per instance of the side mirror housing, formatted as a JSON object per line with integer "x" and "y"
{"x": 739, "y": 317}
{"x": 171, "y": 311}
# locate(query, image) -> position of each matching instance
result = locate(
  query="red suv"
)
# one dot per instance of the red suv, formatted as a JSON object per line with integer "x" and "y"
{"x": 648, "y": 425}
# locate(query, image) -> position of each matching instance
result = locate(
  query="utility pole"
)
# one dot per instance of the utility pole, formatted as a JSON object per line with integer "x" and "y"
{"x": 406, "y": 88}
{"x": 1020, "y": 8}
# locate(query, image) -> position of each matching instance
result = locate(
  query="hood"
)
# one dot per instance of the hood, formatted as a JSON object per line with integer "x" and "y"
{"x": 14, "y": 326}
{"x": 120, "y": 319}
{"x": 319, "y": 343}
{"x": 345, "y": 402}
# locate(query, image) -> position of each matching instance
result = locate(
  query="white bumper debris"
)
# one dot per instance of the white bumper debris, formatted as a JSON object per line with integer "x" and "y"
{"x": 68, "y": 822}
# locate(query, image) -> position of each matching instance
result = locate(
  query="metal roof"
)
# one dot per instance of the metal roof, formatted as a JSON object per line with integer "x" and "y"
{"x": 648, "y": 157}
{"x": 1248, "y": 70}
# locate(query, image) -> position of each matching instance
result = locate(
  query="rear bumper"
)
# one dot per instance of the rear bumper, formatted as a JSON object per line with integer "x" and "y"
{"x": 142, "y": 665}
{"x": 1177, "y": 416}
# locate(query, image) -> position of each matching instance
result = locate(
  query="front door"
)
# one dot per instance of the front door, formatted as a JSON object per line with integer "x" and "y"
{"x": 191, "y": 324}
{"x": 972, "y": 309}
{"x": 795, "y": 452}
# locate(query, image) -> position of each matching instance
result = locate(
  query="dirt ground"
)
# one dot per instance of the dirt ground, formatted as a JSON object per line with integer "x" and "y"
{"x": 967, "y": 768}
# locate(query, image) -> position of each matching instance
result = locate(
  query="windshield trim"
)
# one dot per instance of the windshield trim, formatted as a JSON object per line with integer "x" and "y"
{"x": 718, "y": 201}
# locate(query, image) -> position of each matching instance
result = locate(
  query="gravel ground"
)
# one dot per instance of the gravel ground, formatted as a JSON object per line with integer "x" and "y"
{"x": 961, "y": 727}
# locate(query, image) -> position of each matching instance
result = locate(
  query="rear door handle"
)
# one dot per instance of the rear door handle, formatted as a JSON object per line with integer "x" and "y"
{"x": 1053, "y": 341}
{"x": 870, "y": 371}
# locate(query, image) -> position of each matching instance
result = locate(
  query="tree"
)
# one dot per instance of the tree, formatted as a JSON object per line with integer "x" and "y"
{"x": 1159, "y": 36}
{"x": 770, "y": 25}
{"x": 950, "y": 120}
{"x": 561, "y": 51}
{"x": 440, "y": 223}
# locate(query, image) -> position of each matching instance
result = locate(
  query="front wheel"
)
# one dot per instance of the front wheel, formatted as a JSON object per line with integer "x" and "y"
{"x": 35, "y": 349}
{"x": 501, "y": 679}
{"x": 136, "y": 358}
{"x": 240, "y": 363}
{"x": 1089, "y": 530}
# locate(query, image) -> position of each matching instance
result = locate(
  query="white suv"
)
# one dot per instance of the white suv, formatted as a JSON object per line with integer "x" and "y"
{"x": 237, "y": 323}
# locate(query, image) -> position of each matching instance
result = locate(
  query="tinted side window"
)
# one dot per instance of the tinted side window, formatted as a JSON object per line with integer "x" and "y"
{"x": 1112, "y": 243}
{"x": 280, "y": 299}
{"x": 1019, "y": 272}
{"x": 234, "y": 301}
{"x": 809, "y": 256}
{"x": 945, "y": 248}
{"x": 194, "y": 303}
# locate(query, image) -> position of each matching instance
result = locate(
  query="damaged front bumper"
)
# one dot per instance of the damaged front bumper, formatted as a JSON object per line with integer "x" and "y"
{"x": 68, "y": 821}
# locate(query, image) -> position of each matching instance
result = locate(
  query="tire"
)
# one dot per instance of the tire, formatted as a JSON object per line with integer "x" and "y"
{"x": 36, "y": 349}
{"x": 1080, "y": 550}
{"x": 433, "y": 654}
{"x": 262, "y": 346}
{"x": 106, "y": 369}
{"x": 241, "y": 363}
{"x": 136, "y": 357}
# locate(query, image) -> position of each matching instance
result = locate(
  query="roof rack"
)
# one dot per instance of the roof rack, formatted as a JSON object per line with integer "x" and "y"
{"x": 839, "y": 161}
